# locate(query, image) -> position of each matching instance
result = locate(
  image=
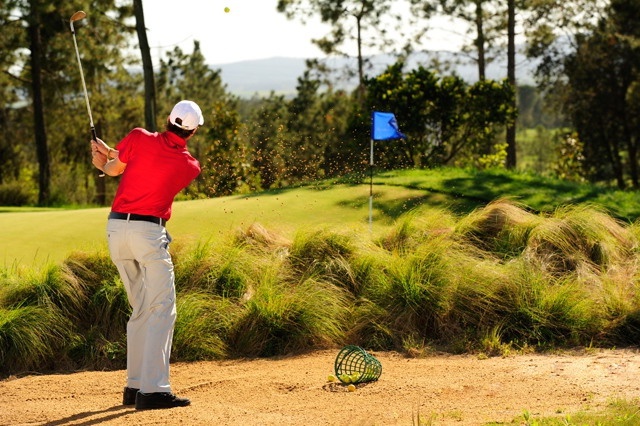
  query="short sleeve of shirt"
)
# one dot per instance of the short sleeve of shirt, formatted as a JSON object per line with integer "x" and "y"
{"x": 125, "y": 147}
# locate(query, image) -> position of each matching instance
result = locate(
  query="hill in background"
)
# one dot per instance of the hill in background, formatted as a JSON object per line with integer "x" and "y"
{"x": 280, "y": 74}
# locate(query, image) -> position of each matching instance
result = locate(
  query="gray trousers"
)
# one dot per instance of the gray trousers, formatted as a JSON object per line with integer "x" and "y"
{"x": 140, "y": 252}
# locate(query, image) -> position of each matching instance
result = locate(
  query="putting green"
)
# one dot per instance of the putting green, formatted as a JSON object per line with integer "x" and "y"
{"x": 34, "y": 238}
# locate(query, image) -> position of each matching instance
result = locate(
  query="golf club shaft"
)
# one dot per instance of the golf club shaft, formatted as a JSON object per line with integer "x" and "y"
{"x": 84, "y": 87}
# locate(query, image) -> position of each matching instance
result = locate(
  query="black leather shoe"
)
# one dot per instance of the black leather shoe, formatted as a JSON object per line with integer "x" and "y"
{"x": 152, "y": 401}
{"x": 129, "y": 396}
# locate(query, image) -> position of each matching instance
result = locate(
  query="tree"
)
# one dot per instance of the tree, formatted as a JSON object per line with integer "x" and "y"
{"x": 587, "y": 51}
{"x": 266, "y": 125}
{"x": 12, "y": 122}
{"x": 445, "y": 120}
{"x": 551, "y": 27}
{"x": 316, "y": 123}
{"x": 44, "y": 75}
{"x": 488, "y": 20}
{"x": 603, "y": 76}
{"x": 359, "y": 20}
{"x": 147, "y": 68}
{"x": 35, "y": 46}
{"x": 511, "y": 78}
{"x": 300, "y": 139}
{"x": 477, "y": 13}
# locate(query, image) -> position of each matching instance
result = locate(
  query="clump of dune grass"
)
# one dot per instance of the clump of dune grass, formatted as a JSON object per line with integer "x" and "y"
{"x": 51, "y": 287}
{"x": 579, "y": 238}
{"x": 259, "y": 238}
{"x": 451, "y": 291}
{"x": 414, "y": 296}
{"x": 202, "y": 325}
{"x": 92, "y": 350}
{"x": 286, "y": 316}
{"x": 340, "y": 258}
{"x": 102, "y": 323}
{"x": 31, "y": 338}
{"x": 105, "y": 306}
{"x": 222, "y": 269}
{"x": 619, "y": 307}
{"x": 417, "y": 226}
{"x": 326, "y": 254}
{"x": 110, "y": 309}
{"x": 497, "y": 280}
{"x": 544, "y": 313}
{"x": 502, "y": 228}
{"x": 473, "y": 313}
{"x": 319, "y": 247}
{"x": 90, "y": 269}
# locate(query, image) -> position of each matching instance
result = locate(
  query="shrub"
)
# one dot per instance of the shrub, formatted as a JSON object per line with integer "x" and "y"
{"x": 31, "y": 338}
{"x": 501, "y": 228}
{"x": 221, "y": 270}
{"x": 285, "y": 318}
{"x": 202, "y": 325}
{"x": 16, "y": 193}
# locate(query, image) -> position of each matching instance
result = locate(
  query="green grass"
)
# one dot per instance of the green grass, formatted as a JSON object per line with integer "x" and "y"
{"x": 451, "y": 265}
{"x": 619, "y": 413}
{"x": 34, "y": 237}
{"x": 537, "y": 192}
{"x": 438, "y": 269}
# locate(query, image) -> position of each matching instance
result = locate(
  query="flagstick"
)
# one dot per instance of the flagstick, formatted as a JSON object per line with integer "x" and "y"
{"x": 371, "y": 189}
{"x": 387, "y": 130}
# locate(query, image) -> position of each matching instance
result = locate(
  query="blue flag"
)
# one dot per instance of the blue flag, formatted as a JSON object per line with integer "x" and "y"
{"x": 384, "y": 127}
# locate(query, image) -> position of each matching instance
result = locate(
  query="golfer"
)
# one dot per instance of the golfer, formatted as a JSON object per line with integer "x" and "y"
{"x": 154, "y": 168}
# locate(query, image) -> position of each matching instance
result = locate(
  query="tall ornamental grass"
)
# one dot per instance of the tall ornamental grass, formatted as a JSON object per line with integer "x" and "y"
{"x": 287, "y": 317}
{"x": 53, "y": 288}
{"x": 498, "y": 279}
{"x": 531, "y": 309}
{"x": 222, "y": 270}
{"x": 203, "y": 322}
{"x": 38, "y": 313}
{"x": 502, "y": 228}
{"x": 32, "y": 338}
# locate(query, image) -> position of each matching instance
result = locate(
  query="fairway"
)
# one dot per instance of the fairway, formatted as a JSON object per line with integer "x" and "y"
{"x": 35, "y": 238}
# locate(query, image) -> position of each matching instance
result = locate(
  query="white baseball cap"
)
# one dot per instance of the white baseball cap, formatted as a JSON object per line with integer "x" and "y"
{"x": 186, "y": 115}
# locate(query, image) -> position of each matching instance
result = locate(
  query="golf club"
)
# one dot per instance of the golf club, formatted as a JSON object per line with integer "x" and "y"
{"x": 76, "y": 17}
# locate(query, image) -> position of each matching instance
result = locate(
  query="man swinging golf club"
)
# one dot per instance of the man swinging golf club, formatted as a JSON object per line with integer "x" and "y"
{"x": 155, "y": 167}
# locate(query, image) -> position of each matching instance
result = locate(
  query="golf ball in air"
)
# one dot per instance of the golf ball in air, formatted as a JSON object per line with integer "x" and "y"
{"x": 227, "y": 10}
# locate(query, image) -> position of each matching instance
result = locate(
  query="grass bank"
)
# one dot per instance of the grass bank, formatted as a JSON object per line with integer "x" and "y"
{"x": 35, "y": 237}
{"x": 496, "y": 280}
{"x": 449, "y": 265}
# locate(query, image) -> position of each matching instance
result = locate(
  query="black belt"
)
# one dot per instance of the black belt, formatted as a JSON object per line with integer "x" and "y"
{"x": 131, "y": 216}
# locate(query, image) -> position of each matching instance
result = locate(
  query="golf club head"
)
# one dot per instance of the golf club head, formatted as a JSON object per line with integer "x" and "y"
{"x": 76, "y": 17}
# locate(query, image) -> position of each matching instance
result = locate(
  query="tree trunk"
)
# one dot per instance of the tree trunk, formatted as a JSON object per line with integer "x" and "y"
{"x": 511, "y": 78}
{"x": 360, "y": 62}
{"x": 480, "y": 41}
{"x": 35, "y": 45}
{"x": 632, "y": 145}
{"x": 147, "y": 67}
{"x": 633, "y": 164}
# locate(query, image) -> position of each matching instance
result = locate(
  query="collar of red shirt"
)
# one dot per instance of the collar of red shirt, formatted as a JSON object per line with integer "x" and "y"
{"x": 174, "y": 139}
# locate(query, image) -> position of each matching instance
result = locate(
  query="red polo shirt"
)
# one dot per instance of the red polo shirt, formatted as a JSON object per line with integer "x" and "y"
{"x": 158, "y": 168}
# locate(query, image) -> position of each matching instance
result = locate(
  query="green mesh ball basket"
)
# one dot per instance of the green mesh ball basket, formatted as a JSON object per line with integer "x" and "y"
{"x": 354, "y": 365}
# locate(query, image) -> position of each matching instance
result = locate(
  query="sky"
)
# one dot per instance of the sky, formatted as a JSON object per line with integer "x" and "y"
{"x": 252, "y": 29}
